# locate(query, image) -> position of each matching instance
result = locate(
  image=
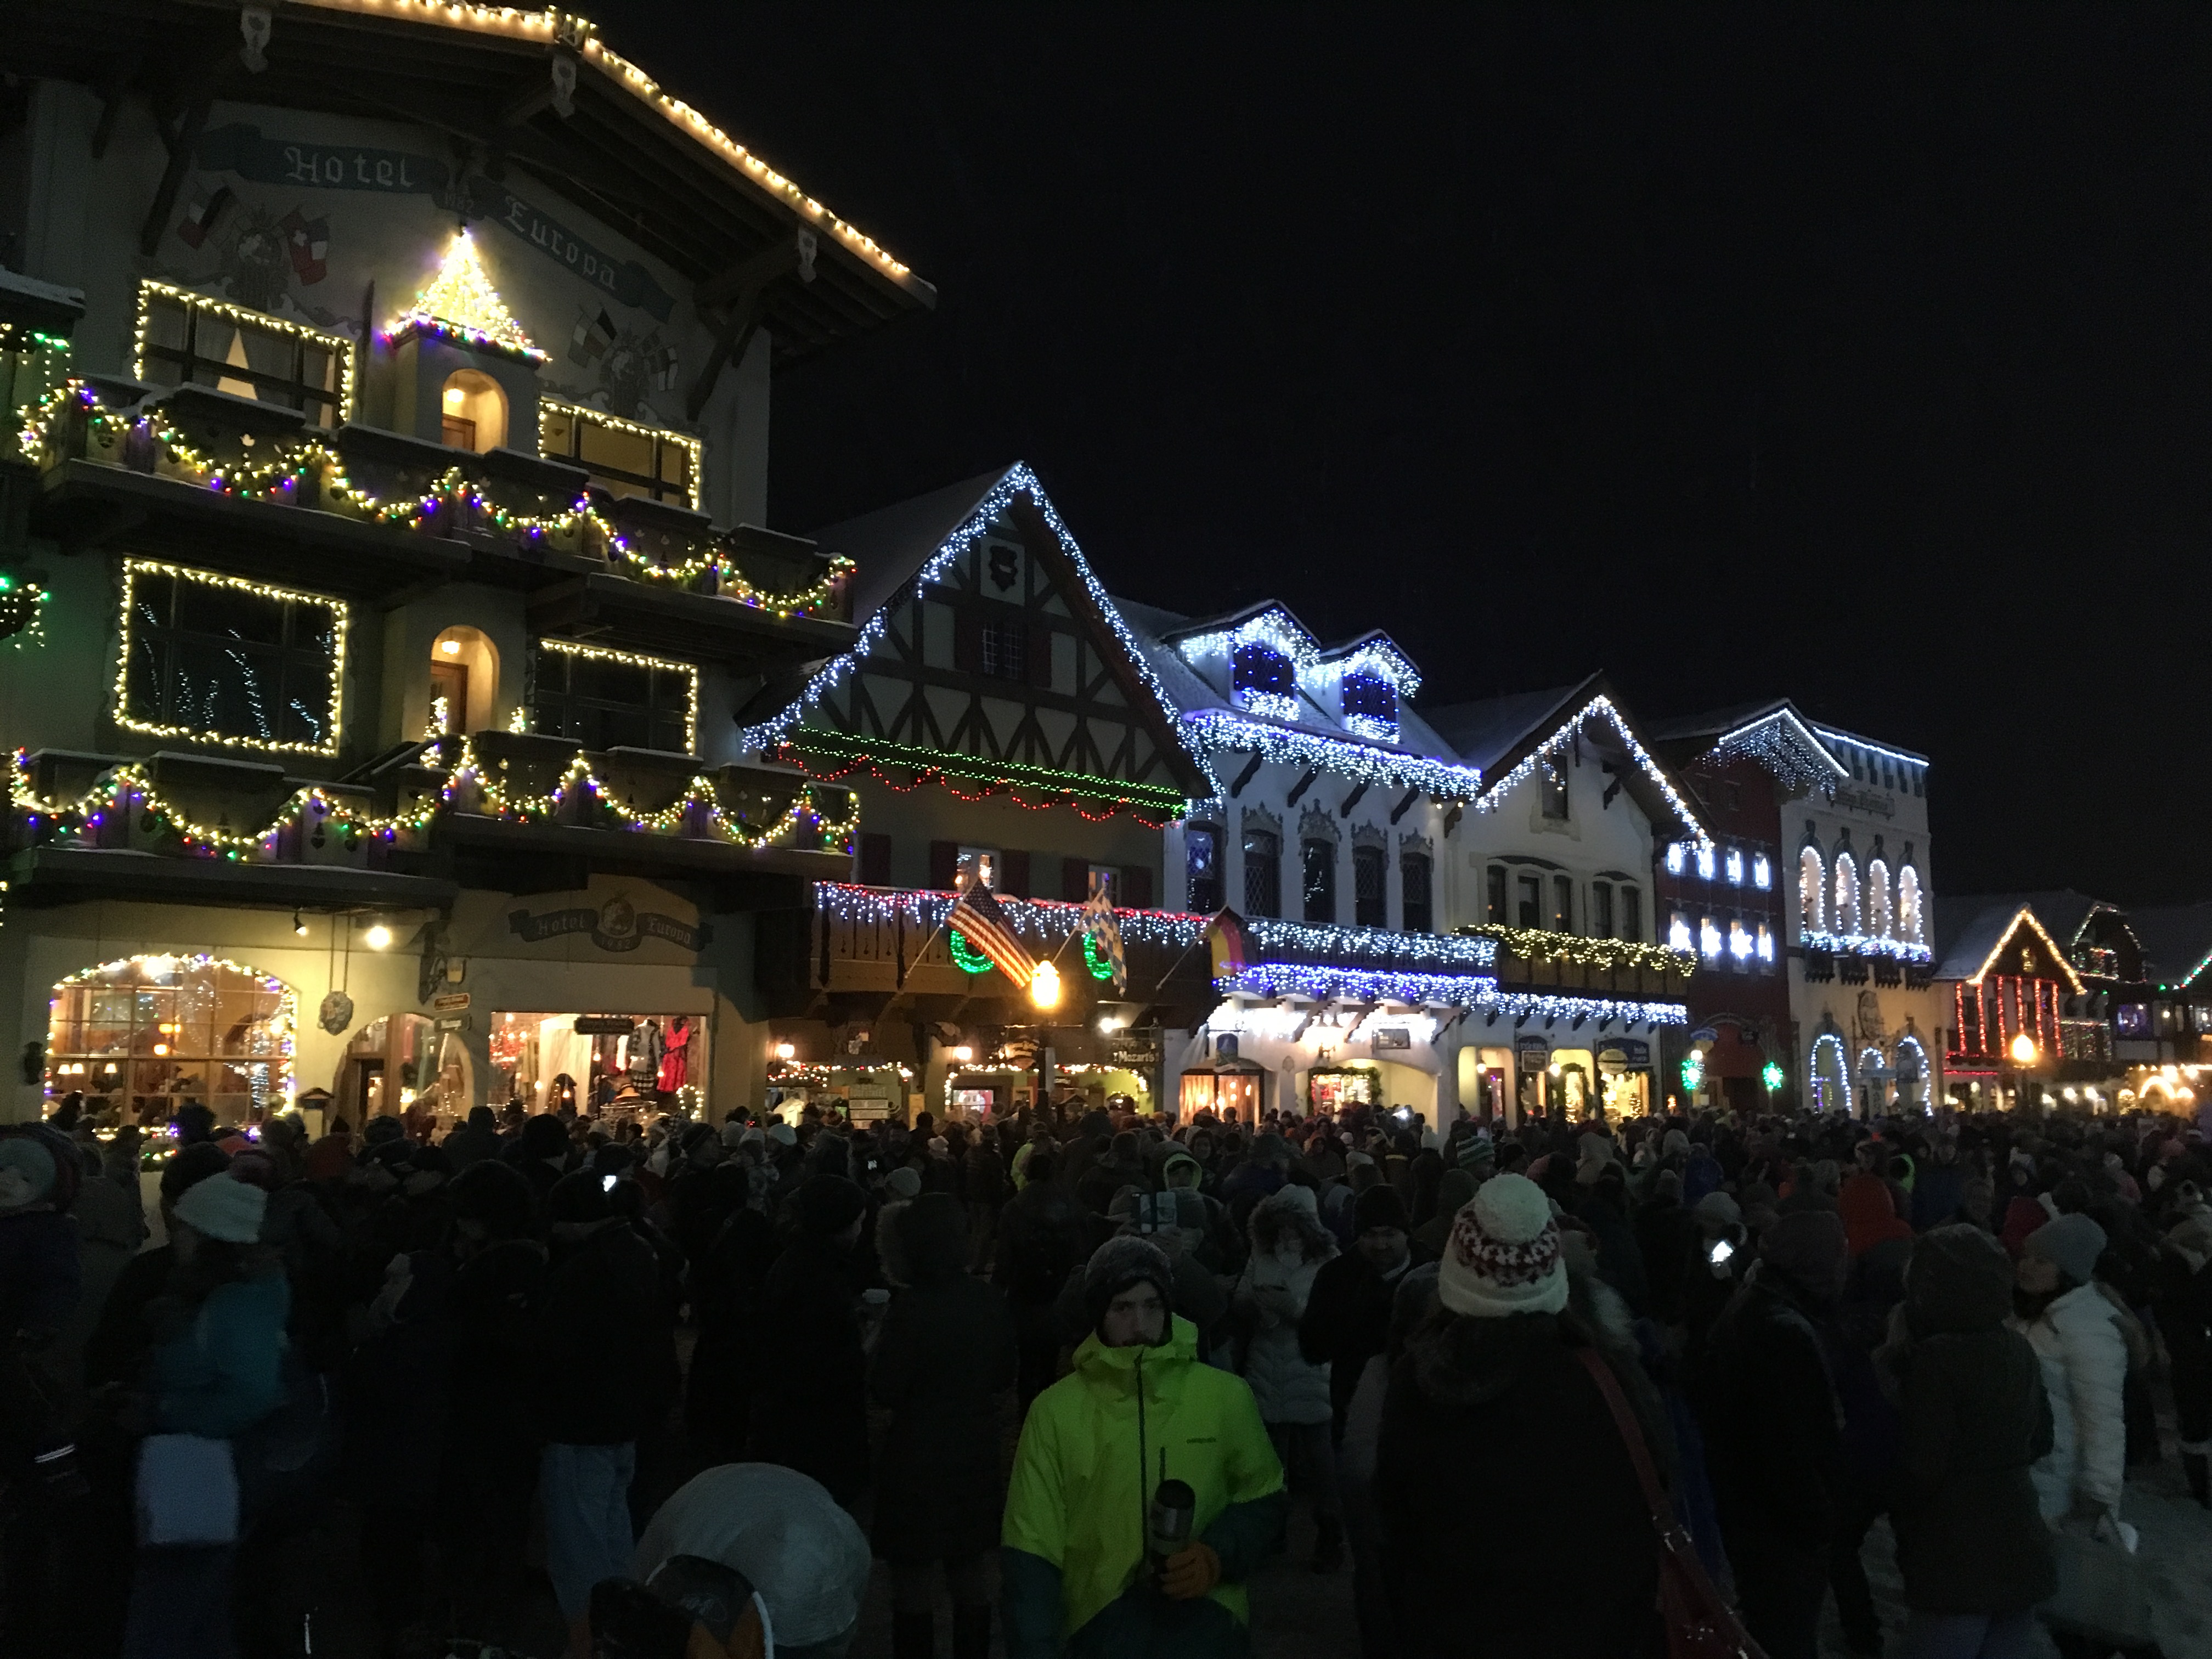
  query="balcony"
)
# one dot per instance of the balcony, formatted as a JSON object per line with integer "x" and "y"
{"x": 857, "y": 950}
{"x": 249, "y": 487}
{"x": 1540, "y": 962}
{"x": 499, "y": 810}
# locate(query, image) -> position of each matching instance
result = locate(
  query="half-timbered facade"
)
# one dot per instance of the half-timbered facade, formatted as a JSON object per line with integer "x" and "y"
{"x": 995, "y": 717}
{"x": 2017, "y": 1029}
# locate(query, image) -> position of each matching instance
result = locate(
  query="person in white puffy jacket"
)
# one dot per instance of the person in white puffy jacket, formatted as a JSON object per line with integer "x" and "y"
{"x": 1289, "y": 1245}
{"x": 2075, "y": 1335}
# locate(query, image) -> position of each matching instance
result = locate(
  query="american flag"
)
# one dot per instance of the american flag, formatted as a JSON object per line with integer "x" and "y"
{"x": 1098, "y": 922}
{"x": 977, "y": 916}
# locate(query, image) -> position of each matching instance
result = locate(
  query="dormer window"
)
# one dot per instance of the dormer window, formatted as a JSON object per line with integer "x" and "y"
{"x": 1264, "y": 680}
{"x": 1369, "y": 705}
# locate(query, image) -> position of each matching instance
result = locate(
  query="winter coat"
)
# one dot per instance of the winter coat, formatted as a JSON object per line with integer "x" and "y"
{"x": 811, "y": 1406}
{"x": 1970, "y": 1538}
{"x": 39, "y": 1271}
{"x": 2077, "y": 1339}
{"x": 1094, "y": 1447}
{"x": 1772, "y": 1421}
{"x": 945, "y": 1356}
{"x": 1493, "y": 1418}
{"x": 225, "y": 1371}
{"x": 1042, "y": 1237}
{"x": 606, "y": 1356}
{"x": 1288, "y": 1248}
{"x": 1348, "y": 1322}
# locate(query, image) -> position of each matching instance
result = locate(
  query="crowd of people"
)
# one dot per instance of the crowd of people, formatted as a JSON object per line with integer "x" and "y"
{"x": 498, "y": 1353}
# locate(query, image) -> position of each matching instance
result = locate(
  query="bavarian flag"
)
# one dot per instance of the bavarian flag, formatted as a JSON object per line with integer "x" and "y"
{"x": 1103, "y": 933}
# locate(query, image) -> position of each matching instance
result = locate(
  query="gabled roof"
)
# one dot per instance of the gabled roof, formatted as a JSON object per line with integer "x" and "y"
{"x": 1229, "y": 621}
{"x": 2177, "y": 942}
{"x": 910, "y": 541}
{"x": 1773, "y": 734}
{"x": 891, "y": 545}
{"x": 1212, "y": 721}
{"x": 1507, "y": 736}
{"x": 1970, "y": 932}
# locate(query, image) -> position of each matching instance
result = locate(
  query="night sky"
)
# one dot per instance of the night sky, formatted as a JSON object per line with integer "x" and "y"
{"x": 1861, "y": 356}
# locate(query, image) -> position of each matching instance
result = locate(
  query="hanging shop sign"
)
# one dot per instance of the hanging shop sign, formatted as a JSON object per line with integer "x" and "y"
{"x": 614, "y": 926}
{"x": 604, "y": 1025}
{"x": 1611, "y": 1061}
{"x": 1134, "y": 1056}
{"x": 1532, "y": 1052}
{"x": 1391, "y": 1037}
{"x": 454, "y": 1022}
{"x": 241, "y": 149}
{"x": 451, "y": 1002}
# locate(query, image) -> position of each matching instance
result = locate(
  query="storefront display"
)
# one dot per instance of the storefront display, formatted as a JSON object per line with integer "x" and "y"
{"x": 599, "y": 1064}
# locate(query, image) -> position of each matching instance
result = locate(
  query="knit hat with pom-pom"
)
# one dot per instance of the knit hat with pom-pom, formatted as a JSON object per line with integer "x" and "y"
{"x": 1504, "y": 1257}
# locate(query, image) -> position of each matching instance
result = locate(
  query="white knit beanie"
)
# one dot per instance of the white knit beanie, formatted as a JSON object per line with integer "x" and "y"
{"x": 224, "y": 1208}
{"x": 1504, "y": 1257}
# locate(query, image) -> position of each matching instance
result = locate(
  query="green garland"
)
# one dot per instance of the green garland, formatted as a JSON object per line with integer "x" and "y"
{"x": 1542, "y": 945}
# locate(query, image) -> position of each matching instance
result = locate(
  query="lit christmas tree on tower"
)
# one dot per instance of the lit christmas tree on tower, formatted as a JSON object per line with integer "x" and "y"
{"x": 461, "y": 304}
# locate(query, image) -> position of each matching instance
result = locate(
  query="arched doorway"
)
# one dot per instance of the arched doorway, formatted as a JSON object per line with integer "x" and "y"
{"x": 1911, "y": 1069}
{"x": 148, "y": 1034}
{"x": 1829, "y": 1076}
{"x": 463, "y": 680}
{"x": 473, "y": 411}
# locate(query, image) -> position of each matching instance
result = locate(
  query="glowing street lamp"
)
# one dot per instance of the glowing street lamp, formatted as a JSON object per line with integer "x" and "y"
{"x": 1770, "y": 1075}
{"x": 1044, "y": 986}
{"x": 2024, "y": 1051}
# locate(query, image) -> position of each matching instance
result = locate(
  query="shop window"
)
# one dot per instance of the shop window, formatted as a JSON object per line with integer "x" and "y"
{"x": 1370, "y": 905}
{"x": 1415, "y": 878}
{"x": 1562, "y": 904}
{"x": 463, "y": 680}
{"x": 188, "y": 339}
{"x": 1263, "y": 873}
{"x": 1529, "y": 897}
{"x": 151, "y": 1034}
{"x": 1264, "y": 680}
{"x": 1552, "y": 781}
{"x": 472, "y": 411}
{"x": 1317, "y": 870}
{"x": 220, "y": 660}
{"x": 1601, "y": 916}
{"x": 622, "y": 456}
{"x": 1632, "y": 914}
{"x": 1202, "y": 855}
{"x": 606, "y": 699}
{"x": 1495, "y": 912}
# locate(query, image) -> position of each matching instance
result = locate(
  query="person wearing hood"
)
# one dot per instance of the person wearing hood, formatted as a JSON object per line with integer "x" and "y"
{"x": 1491, "y": 1411}
{"x": 944, "y": 1357}
{"x": 2074, "y": 1331}
{"x": 1137, "y": 1412}
{"x": 1868, "y": 1210}
{"x": 608, "y": 1359}
{"x": 1771, "y": 1421}
{"x": 746, "y": 1559}
{"x": 810, "y": 1410}
{"x": 1288, "y": 1248}
{"x": 475, "y": 1140}
{"x": 1348, "y": 1317}
{"x": 1972, "y": 1546}
{"x": 1176, "y": 1222}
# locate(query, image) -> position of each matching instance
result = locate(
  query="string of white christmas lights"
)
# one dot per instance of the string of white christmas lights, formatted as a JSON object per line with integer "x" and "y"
{"x": 1599, "y": 708}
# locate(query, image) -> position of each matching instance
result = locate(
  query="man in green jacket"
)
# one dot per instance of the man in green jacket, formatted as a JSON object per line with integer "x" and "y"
{"x": 1138, "y": 1409}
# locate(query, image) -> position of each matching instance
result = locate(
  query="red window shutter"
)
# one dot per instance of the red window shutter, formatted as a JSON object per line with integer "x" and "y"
{"x": 875, "y": 858}
{"x": 943, "y": 865}
{"x": 1040, "y": 664}
{"x": 1137, "y": 887}
{"x": 1075, "y": 879}
{"x": 1014, "y": 874}
{"x": 967, "y": 640}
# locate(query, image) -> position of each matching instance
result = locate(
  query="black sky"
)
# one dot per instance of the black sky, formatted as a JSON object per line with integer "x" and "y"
{"x": 1857, "y": 355}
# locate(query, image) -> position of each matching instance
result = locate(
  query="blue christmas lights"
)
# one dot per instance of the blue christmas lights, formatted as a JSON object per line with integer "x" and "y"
{"x": 1325, "y": 983}
{"x": 1277, "y": 939}
{"x": 1785, "y": 746}
{"x": 1209, "y": 732}
{"x": 1046, "y": 921}
{"x": 1862, "y": 945}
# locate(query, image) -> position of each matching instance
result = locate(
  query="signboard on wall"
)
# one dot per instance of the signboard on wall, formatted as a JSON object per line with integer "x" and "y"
{"x": 616, "y": 926}
{"x": 604, "y": 1024}
{"x": 1391, "y": 1037}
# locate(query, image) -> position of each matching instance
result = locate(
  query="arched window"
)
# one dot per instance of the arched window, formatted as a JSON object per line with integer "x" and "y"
{"x": 1812, "y": 887}
{"x": 1874, "y": 1081}
{"x": 473, "y": 411}
{"x": 1831, "y": 1087}
{"x": 1910, "y": 927}
{"x": 160, "y": 1031}
{"x": 1846, "y": 908}
{"x": 1877, "y": 900}
{"x": 1911, "y": 1064}
{"x": 463, "y": 680}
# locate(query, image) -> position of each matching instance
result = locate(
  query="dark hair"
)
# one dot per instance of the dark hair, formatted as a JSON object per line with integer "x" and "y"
{"x": 188, "y": 1166}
